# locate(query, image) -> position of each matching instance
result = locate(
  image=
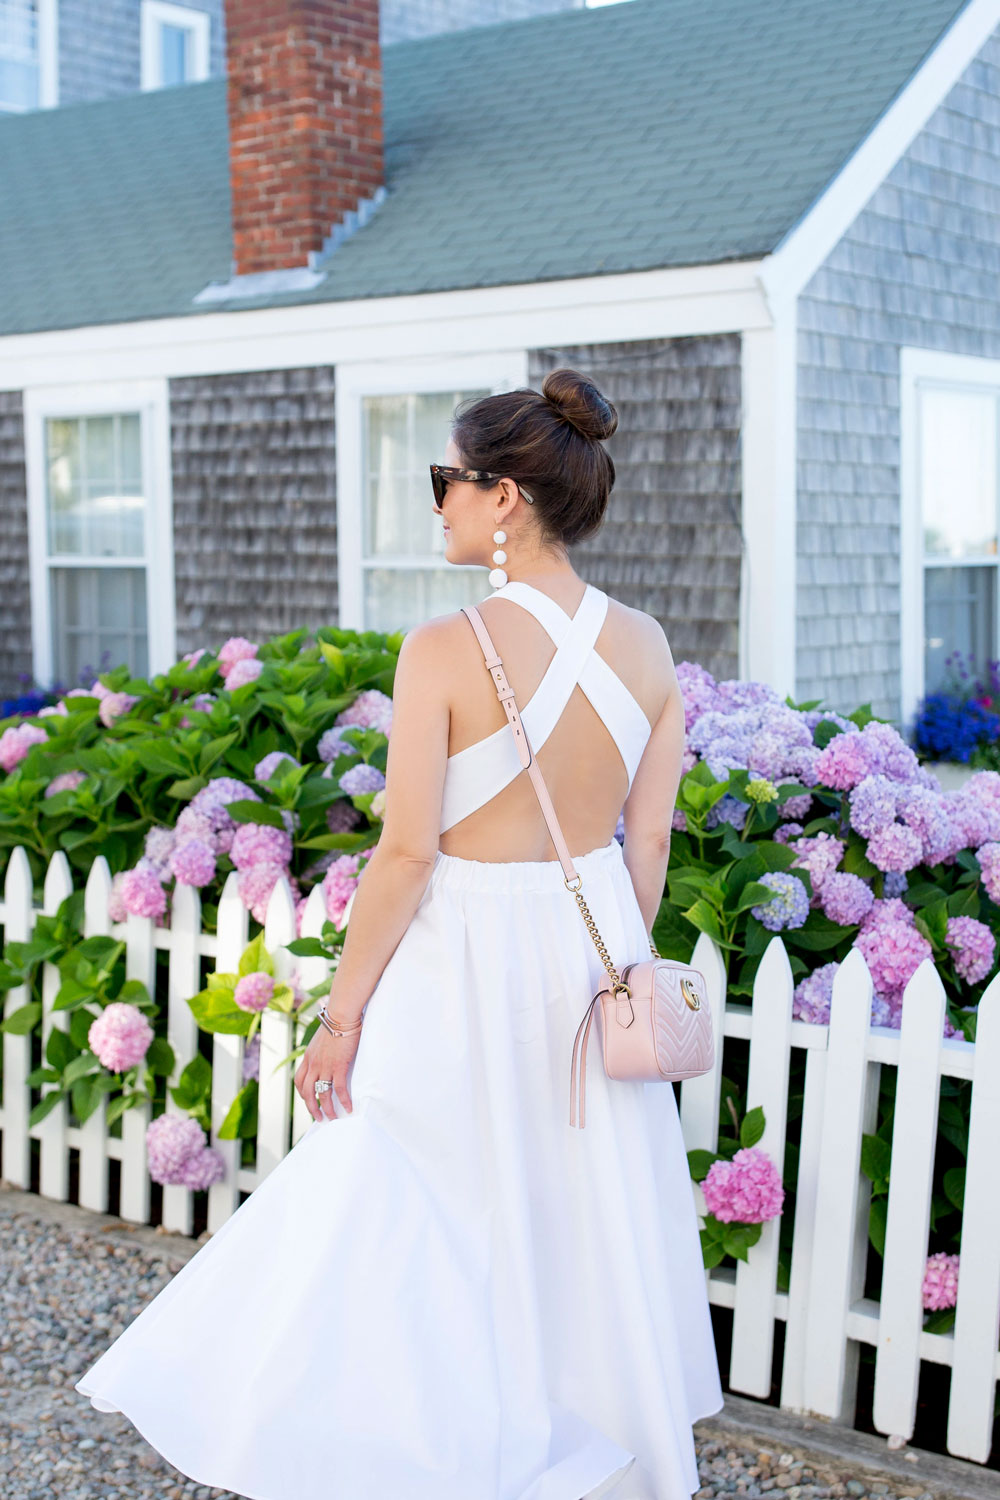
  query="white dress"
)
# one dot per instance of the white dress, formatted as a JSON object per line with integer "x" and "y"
{"x": 451, "y": 1293}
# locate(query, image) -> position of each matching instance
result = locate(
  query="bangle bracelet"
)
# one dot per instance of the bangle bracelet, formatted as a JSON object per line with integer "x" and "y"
{"x": 337, "y": 1028}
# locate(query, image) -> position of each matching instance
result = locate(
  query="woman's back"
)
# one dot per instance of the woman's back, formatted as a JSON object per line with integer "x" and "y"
{"x": 589, "y": 717}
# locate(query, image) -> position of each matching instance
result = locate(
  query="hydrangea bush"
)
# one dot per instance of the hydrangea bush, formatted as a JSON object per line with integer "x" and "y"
{"x": 267, "y": 760}
{"x": 826, "y": 829}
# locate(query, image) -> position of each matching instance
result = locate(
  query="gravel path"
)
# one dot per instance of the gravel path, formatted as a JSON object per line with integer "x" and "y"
{"x": 70, "y": 1281}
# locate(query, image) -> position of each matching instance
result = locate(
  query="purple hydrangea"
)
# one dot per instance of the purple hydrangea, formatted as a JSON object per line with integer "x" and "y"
{"x": 895, "y": 848}
{"x": 846, "y": 899}
{"x": 342, "y": 816}
{"x": 787, "y": 831}
{"x": 788, "y": 907}
{"x": 972, "y": 946}
{"x": 265, "y": 769}
{"x": 331, "y": 744}
{"x": 120, "y": 1036}
{"x": 254, "y": 991}
{"x": 746, "y": 1190}
{"x": 158, "y": 846}
{"x": 113, "y": 705}
{"x": 812, "y": 995}
{"x": 371, "y": 709}
{"x": 873, "y": 805}
{"x": 67, "y": 781}
{"x": 242, "y": 672}
{"x": 201, "y": 1169}
{"x": 251, "y": 1058}
{"x": 988, "y": 856}
{"x": 256, "y": 884}
{"x": 940, "y": 1284}
{"x": 170, "y": 1140}
{"x": 361, "y": 778}
{"x": 819, "y": 856}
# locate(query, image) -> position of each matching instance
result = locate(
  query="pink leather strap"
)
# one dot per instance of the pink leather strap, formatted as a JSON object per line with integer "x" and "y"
{"x": 506, "y": 695}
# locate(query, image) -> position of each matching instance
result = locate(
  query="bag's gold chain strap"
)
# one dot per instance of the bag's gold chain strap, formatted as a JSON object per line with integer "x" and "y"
{"x": 617, "y": 983}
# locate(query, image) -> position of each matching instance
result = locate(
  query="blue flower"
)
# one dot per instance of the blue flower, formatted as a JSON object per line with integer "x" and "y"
{"x": 788, "y": 907}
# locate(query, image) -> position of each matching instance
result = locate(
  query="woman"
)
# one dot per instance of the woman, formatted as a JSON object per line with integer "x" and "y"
{"x": 452, "y": 1294}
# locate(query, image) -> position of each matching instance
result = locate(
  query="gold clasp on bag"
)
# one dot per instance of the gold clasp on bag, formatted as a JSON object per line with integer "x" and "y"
{"x": 690, "y": 994}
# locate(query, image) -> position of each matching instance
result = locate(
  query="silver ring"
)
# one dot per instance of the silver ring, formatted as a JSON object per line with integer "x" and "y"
{"x": 322, "y": 1086}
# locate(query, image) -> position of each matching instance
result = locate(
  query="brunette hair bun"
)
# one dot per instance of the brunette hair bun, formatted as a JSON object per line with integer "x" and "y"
{"x": 578, "y": 400}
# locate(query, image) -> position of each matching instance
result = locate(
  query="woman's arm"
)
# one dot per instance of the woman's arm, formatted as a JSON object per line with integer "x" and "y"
{"x": 649, "y": 807}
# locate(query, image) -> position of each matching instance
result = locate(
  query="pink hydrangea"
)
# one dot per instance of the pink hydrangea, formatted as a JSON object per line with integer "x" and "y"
{"x": 251, "y": 1058}
{"x": 266, "y": 768}
{"x": 142, "y": 893}
{"x": 206, "y": 816}
{"x": 52, "y": 708}
{"x": 846, "y": 899}
{"x": 254, "y": 991}
{"x": 120, "y": 1036}
{"x": 893, "y": 952}
{"x": 746, "y": 1190}
{"x": 117, "y": 910}
{"x": 371, "y": 709}
{"x": 819, "y": 855}
{"x": 844, "y": 763}
{"x": 193, "y": 657}
{"x": 67, "y": 781}
{"x": 256, "y": 884}
{"x": 113, "y": 705}
{"x": 260, "y": 844}
{"x": 243, "y": 672}
{"x": 17, "y": 741}
{"x": 201, "y": 1169}
{"x": 972, "y": 946}
{"x": 886, "y": 910}
{"x": 940, "y": 1286}
{"x": 171, "y": 1140}
{"x": 340, "y": 883}
{"x": 97, "y": 690}
{"x": 193, "y": 862}
{"x": 895, "y": 848}
{"x": 237, "y": 648}
{"x": 988, "y": 856}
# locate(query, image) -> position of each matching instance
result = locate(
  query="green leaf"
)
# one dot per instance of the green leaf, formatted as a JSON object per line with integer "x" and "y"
{"x": 255, "y": 958}
{"x": 738, "y": 1239}
{"x": 818, "y": 934}
{"x": 754, "y": 894}
{"x": 753, "y": 1126}
{"x": 215, "y": 1010}
{"x": 703, "y": 916}
{"x": 194, "y": 1085}
{"x": 255, "y": 812}
{"x": 877, "y": 1215}
{"x": 59, "y": 1049}
{"x": 711, "y": 1251}
{"x": 876, "y": 1155}
{"x": 699, "y": 1162}
{"x": 307, "y": 948}
{"x": 45, "y": 1106}
{"x": 160, "y": 1057}
{"x": 81, "y": 1066}
{"x": 941, "y": 1321}
{"x": 965, "y": 902}
{"x": 21, "y": 1022}
{"x": 240, "y": 1122}
{"x": 85, "y": 1097}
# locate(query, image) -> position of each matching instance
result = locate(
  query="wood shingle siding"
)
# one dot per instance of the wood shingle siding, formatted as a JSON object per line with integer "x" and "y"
{"x": 671, "y": 540}
{"x": 15, "y": 600}
{"x": 920, "y": 266}
{"x": 255, "y": 504}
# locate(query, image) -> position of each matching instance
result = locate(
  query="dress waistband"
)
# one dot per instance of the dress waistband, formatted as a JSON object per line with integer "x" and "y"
{"x": 521, "y": 874}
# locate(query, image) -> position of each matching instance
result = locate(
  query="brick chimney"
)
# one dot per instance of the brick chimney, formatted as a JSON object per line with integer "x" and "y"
{"x": 305, "y": 123}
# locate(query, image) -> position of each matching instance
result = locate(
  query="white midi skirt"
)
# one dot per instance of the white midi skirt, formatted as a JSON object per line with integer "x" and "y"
{"x": 451, "y": 1293}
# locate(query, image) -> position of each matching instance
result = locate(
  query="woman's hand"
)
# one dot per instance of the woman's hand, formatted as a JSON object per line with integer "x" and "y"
{"x": 326, "y": 1057}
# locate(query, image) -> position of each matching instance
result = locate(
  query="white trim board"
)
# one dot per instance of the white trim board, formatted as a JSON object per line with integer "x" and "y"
{"x": 807, "y": 244}
{"x": 916, "y": 365}
{"x": 150, "y": 398}
{"x": 157, "y": 13}
{"x": 593, "y": 309}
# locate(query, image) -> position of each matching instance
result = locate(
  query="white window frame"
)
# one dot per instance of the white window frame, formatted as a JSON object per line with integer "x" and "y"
{"x": 500, "y": 371}
{"x": 150, "y": 398}
{"x": 917, "y": 368}
{"x": 157, "y": 13}
{"x": 48, "y": 58}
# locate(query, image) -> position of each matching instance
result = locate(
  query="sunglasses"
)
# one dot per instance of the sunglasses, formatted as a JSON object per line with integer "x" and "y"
{"x": 442, "y": 473}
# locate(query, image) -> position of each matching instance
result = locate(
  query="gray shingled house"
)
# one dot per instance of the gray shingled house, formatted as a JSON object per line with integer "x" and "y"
{"x": 229, "y": 349}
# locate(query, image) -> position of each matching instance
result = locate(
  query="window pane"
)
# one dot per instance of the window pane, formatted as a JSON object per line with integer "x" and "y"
{"x": 398, "y": 598}
{"x": 958, "y": 472}
{"x": 402, "y": 434}
{"x": 175, "y": 46}
{"x": 96, "y": 507}
{"x": 18, "y": 54}
{"x": 960, "y": 615}
{"x": 98, "y": 622}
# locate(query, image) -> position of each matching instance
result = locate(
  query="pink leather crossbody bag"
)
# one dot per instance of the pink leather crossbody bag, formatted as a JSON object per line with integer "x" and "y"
{"x": 655, "y": 1017}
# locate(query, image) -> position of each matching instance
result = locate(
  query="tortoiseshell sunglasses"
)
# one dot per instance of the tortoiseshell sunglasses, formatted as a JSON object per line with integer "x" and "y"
{"x": 441, "y": 473}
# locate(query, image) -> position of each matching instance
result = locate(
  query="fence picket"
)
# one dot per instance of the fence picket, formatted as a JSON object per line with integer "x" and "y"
{"x": 227, "y": 1055}
{"x": 312, "y": 971}
{"x": 911, "y": 1174}
{"x": 140, "y": 963}
{"x": 807, "y": 1179}
{"x": 19, "y": 917}
{"x": 699, "y": 1107}
{"x": 850, "y": 1101}
{"x": 977, "y": 1314}
{"x": 183, "y": 981}
{"x": 767, "y": 1086}
{"x": 53, "y": 1138}
{"x": 92, "y": 1135}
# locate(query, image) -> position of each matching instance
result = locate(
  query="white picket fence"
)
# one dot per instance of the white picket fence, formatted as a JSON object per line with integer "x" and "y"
{"x": 826, "y": 1315}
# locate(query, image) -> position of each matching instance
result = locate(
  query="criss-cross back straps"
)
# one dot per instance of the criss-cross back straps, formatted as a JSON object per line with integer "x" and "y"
{"x": 477, "y": 773}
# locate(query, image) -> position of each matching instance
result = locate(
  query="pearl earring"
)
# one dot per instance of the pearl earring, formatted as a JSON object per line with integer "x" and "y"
{"x": 497, "y": 575}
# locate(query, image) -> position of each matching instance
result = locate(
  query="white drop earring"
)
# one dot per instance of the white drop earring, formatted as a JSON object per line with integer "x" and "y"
{"x": 497, "y": 575}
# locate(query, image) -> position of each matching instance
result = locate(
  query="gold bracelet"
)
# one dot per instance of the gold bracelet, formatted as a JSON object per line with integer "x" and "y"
{"x": 335, "y": 1027}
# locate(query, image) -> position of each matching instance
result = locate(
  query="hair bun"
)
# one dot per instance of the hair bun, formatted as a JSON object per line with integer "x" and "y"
{"x": 578, "y": 400}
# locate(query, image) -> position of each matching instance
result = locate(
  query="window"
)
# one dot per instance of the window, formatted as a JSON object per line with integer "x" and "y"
{"x": 97, "y": 599}
{"x": 27, "y": 54}
{"x": 391, "y": 544}
{"x": 951, "y": 430}
{"x": 175, "y": 44}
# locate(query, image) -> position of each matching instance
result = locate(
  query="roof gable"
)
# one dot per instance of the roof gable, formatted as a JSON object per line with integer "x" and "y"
{"x": 648, "y": 134}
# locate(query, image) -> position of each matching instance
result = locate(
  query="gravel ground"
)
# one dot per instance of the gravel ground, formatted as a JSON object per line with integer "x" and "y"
{"x": 70, "y": 1281}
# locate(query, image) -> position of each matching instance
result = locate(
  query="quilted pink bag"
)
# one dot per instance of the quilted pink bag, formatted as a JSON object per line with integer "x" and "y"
{"x": 655, "y": 1017}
